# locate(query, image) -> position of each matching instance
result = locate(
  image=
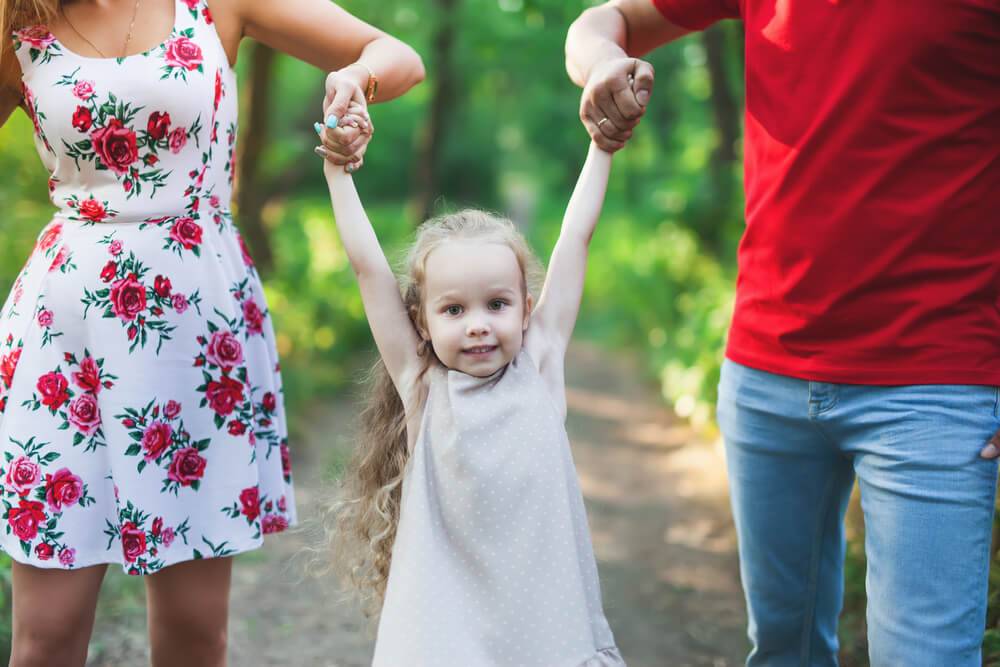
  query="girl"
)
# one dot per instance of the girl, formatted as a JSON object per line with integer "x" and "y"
{"x": 463, "y": 516}
{"x": 141, "y": 420}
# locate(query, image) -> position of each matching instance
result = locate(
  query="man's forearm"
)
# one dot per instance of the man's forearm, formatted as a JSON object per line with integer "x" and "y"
{"x": 598, "y": 35}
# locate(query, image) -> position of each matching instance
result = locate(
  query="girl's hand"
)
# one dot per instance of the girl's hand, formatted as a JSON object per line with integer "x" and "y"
{"x": 345, "y": 145}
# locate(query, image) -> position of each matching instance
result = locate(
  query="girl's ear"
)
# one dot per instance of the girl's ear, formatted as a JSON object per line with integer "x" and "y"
{"x": 529, "y": 304}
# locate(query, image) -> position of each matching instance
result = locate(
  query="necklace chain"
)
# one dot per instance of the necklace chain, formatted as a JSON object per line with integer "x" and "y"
{"x": 128, "y": 36}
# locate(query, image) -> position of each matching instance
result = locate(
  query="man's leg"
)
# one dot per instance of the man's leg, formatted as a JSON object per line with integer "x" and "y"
{"x": 790, "y": 487}
{"x": 928, "y": 501}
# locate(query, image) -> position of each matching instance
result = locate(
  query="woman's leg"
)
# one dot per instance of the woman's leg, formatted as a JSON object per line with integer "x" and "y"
{"x": 189, "y": 612}
{"x": 53, "y": 614}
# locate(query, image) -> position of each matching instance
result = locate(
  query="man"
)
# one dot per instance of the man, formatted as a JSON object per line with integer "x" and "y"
{"x": 866, "y": 334}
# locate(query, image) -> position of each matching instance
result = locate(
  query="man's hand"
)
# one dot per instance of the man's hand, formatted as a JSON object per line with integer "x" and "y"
{"x": 614, "y": 100}
{"x": 992, "y": 448}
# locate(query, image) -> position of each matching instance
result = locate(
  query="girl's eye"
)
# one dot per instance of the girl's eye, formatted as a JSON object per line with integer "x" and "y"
{"x": 453, "y": 310}
{"x": 497, "y": 304}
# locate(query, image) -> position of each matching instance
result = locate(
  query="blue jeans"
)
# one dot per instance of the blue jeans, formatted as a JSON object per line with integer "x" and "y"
{"x": 793, "y": 448}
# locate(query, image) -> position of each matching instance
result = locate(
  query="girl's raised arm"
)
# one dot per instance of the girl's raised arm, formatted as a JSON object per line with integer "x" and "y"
{"x": 391, "y": 327}
{"x": 559, "y": 303}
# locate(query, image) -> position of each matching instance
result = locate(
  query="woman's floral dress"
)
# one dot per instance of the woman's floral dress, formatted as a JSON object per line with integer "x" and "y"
{"x": 141, "y": 416}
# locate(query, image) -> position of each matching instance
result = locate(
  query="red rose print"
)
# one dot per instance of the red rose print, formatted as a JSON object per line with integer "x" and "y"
{"x": 282, "y": 504}
{"x": 224, "y": 350}
{"x": 60, "y": 259}
{"x": 274, "y": 523}
{"x": 38, "y": 36}
{"x": 67, "y": 556}
{"x": 253, "y": 316}
{"x": 192, "y": 4}
{"x": 62, "y": 489}
{"x": 224, "y": 395}
{"x": 168, "y": 537}
{"x": 24, "y": 519}
{"x": 156, "y": 439}
{"x": 22, "y": 475}
{"x": 133, "y": 541}
{"x": 8, "y": 364}
{"x": 82, "y": 120}
{"x": 182, "y": 52}
{"x": 115, "y": 248}
{"x": 237, "y": 428}
{"x": 44, "y": 551}
{"x": 109, "y": 271}
{"x": 45, "y": 318}
{"x": 49, "y": 237}
{"x": 84, "y": 414}
{"x": 270, "y": 402}
{"x": 218, "y": 88}
{"x": 88, "y": 377}
{"x": 250, "y": 499}
{"x": 92, "y": 210}
{"x": 162, "y": 287}
{"x": 150, "y": 160}
{"x": 54, "y": 390}
{"x": 128, "y": 298}
{"x": 115, "y": 145}
{"x": 286, "y": 460}
{"x": 187, "y": 467}
{"x": 246, "y": 252}
{"x": 157, "y": 526}
{"x": 180, "y": 303}
{"x": 178, "y": 138}
{"x": 187, "y": 232}
{"x": 158, "y": 125}
{"x": 172, "y": 409}
{"x": 83, "y": 90}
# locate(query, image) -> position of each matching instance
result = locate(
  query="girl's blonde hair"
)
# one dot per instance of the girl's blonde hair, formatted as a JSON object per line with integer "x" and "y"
{"x": 16, "y": 14}
{"x": 361, "y": 524}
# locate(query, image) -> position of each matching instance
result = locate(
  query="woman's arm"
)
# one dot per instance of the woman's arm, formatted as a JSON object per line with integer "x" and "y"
{"x": 321, "y": 33}
{"x": 394, "y": 334}
{"x": 555, "y": 316}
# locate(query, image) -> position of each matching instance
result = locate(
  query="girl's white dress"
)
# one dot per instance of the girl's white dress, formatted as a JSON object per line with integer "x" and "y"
{"x": 492, "y": 564}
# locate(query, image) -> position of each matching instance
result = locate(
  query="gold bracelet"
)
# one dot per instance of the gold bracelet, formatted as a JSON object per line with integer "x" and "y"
{"x": 372, "y": 82}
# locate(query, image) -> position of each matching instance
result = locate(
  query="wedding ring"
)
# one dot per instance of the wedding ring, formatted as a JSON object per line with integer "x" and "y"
{"x": 602, "y": 121}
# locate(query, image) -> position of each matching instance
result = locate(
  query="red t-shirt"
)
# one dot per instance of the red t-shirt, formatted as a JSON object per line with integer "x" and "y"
{"x": 872, "y": 248}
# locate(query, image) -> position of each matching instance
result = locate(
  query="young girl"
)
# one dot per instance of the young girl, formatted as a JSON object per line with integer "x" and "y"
{"x": 463, "y": 517}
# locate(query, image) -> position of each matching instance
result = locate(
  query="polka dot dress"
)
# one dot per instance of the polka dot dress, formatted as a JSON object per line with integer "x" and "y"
{"x": 493, "y": 564}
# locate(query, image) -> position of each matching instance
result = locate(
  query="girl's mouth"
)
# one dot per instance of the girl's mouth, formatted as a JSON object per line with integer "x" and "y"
{"x": 479, "y": 350}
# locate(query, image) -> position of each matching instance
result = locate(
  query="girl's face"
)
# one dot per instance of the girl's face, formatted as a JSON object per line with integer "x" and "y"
{"x": 475, "y": 305}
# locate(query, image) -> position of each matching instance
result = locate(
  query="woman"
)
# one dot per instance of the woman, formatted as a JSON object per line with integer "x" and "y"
{"x": 141, "y": 420}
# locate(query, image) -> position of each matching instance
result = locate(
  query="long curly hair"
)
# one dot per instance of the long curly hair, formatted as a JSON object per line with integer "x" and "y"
{"x": 360, "y": 525}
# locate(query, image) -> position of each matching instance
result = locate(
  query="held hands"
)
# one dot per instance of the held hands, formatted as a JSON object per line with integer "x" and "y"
{"x": 614, "y": 101}
{"x": 345, "y": 143}
{"x": 347, "y": 127}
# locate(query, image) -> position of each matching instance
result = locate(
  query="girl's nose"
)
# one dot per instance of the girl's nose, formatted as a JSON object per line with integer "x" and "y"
{"x": 478, "y": 329}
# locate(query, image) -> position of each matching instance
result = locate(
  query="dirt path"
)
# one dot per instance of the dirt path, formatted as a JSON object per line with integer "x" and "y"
{"x": 658, "y": 511}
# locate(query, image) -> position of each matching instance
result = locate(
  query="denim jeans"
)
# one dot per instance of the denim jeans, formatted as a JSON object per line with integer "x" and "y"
{"x": 793, "y": 449}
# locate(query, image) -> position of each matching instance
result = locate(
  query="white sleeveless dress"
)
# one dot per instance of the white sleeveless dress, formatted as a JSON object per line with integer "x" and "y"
{"x": 492, "y": 564}
{"x": 141, "y": 418}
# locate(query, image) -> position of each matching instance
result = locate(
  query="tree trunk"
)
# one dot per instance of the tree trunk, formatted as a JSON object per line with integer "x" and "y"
{"x": 426, "y": 178}
{"x": 251, "y": 196}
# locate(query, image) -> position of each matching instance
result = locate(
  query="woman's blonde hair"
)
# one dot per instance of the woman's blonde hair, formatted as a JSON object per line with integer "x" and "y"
{"x": 16, "y": 14}
{"x": 361, "y": 524}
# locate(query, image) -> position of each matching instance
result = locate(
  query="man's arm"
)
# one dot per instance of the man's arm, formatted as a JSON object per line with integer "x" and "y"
{"x": 601, "y": 50}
